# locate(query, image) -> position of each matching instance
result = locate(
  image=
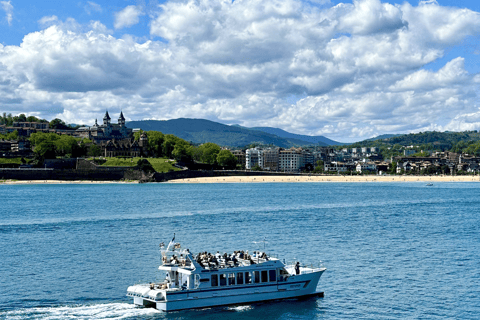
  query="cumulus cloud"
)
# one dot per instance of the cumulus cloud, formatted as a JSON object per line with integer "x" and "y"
{"x": 8, "y": 8}
{"x": 358, "y": 67}
{"x": 127, "y": 17}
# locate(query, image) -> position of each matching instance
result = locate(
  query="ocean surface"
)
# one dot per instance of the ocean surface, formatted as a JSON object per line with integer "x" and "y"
{"x": 392, "y": 250}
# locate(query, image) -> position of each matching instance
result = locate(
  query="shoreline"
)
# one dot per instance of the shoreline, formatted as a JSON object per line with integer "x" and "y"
{"x": 295, "y": 179}
{"x": 268, "y": 179}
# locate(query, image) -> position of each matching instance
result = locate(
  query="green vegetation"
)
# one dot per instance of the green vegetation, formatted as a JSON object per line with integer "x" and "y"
{"x": 11, "y": 161}
{"x": 8, "y": 119}
{"x": 10, "y": 136}
{"x": 158, "y": 164}
{"x": 51, "y": 145}
{"x": 226, "y": 159}
{"x": 461, "y": 142}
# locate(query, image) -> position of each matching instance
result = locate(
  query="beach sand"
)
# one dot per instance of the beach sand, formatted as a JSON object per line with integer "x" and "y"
{"x": 274, "y": 179}
{"x": 339, "y": 178}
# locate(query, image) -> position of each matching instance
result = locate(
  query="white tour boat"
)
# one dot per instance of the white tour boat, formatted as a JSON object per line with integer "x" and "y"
{"x": 208, "y": 280}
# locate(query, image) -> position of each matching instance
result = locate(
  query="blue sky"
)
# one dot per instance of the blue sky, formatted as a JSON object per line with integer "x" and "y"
{"x": 344, "y": 69}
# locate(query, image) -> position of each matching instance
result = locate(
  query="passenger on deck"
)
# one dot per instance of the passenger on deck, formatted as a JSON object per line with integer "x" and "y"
{"x": 297, "y": 268}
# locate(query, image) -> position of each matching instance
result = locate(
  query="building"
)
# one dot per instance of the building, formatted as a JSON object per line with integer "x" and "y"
{"x": 270, "y": 159}
{"x": 240, "y": 155}
{"x": 291, "y": 160}
{"x": 252, "y": 158}
{"x": 107, "y": 130}
{"x": 366, "y": 167}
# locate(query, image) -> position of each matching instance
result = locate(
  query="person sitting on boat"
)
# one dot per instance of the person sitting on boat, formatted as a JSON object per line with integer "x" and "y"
{"x": 297, "y": 268}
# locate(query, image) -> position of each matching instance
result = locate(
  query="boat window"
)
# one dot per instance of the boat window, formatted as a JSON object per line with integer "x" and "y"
{"x": 231, "y": 279}
{"x": 264, "y": 276}
{"x": 214, "y": 280}
{"x": 248, "y": 278}
{"x": 272, "y": 275}
{"x": 256, "y": 276}
{"x": 223, "y": 279}
{"x": 240, "y": 278}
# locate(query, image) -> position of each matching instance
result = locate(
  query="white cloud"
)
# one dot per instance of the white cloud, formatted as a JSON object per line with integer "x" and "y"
{"x": 48, "y": 21}
{"x": 127, "y": 17}
{"x": 8, "y": 8}
{"x": 90, "y": 7}
{"x": 358, "y": 67}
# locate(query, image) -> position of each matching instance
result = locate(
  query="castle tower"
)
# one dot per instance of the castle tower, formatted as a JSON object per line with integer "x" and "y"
{"x": 106, "y": 119}
{"x": 121, "y": 120}
{"x": 143, "y": 144}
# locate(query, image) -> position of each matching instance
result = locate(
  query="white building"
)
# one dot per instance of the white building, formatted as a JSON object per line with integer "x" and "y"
{"x": 253, "y": 157}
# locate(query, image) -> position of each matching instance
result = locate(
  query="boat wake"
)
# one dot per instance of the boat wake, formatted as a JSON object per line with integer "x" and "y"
{"x": 93, "y": 311}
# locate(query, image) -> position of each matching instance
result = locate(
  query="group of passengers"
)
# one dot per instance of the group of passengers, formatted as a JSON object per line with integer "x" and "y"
{"x": 237, "y": 258}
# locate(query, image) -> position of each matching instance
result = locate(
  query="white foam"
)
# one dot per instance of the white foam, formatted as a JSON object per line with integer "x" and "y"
{"x": 240, "y": 308}
{"x": 93, "y": 311}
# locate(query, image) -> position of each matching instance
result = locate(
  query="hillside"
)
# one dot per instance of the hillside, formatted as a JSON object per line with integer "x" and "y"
{"x": 201, "y": 131}
{"x": 466, "y": 142}
{"x": 308, "y": 139}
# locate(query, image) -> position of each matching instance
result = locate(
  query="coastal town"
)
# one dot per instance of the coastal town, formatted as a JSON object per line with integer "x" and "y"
{"x": 116, "y": 140}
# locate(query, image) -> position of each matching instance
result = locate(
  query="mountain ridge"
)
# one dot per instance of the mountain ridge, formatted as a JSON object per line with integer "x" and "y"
{"x": 201, "y": 131}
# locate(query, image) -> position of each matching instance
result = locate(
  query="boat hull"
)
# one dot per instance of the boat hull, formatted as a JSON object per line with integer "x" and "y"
{"x": 295, "y": 287}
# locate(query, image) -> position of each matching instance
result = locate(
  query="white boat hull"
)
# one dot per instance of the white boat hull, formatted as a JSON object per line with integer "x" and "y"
{"x": 294, "y": 287}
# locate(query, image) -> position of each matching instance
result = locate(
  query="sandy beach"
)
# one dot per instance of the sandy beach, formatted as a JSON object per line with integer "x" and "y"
{"x": 268, "y": 179}
{"x": 272, "y": 179}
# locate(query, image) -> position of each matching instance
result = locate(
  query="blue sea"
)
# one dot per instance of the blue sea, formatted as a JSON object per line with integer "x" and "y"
{"x": 392, "y": 250}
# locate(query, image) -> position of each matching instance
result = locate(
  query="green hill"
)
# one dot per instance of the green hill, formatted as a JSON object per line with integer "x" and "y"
{"x": 201, "y": 131}
{"x": 321, "y": 140}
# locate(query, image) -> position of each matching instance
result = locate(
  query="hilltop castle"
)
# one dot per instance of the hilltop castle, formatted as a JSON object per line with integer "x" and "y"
{"x": 107, "y": 131}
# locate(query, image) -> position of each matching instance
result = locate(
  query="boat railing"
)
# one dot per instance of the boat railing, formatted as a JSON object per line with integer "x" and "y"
{"x": 306, "y": 268}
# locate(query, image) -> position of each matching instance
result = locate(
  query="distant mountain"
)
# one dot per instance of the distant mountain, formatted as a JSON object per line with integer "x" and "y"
{"x": 308, "y": 139}
{"x": 201, "y": 131}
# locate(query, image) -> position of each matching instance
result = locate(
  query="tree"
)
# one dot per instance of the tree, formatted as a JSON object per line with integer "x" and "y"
{"x": 67, "y": 145}
{"x": 169, "y": 145}
{"x": 209, "y": 152}
{"x": 155, "y": 142}
{"x": 393, "y": 167}
{"x": 44, "y": 150}
{"x": 94, "y": 151}
{"x": 58, "y": 124}
{"x": 21, "y": 118}
{"x": 256, "y": 168}
{"x": 182, "y": 151}
{"x": 145, "y": 166}
{"x": 319, "y": 168}
{"x": 226, "y": 159}
{"x": 38, "y": 137}
{"x": 32, "y": 119}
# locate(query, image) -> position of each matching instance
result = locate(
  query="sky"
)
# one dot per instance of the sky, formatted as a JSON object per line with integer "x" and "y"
{"x": 347, "y": 70}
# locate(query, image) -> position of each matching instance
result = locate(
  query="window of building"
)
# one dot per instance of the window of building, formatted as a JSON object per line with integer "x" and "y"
{"x": 214, "y": 280}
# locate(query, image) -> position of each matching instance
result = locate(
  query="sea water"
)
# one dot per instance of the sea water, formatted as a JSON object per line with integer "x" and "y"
{"x": 392, "y": 250}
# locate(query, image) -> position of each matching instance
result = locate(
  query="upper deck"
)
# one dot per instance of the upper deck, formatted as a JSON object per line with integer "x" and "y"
{"x": 184, "y": 262}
